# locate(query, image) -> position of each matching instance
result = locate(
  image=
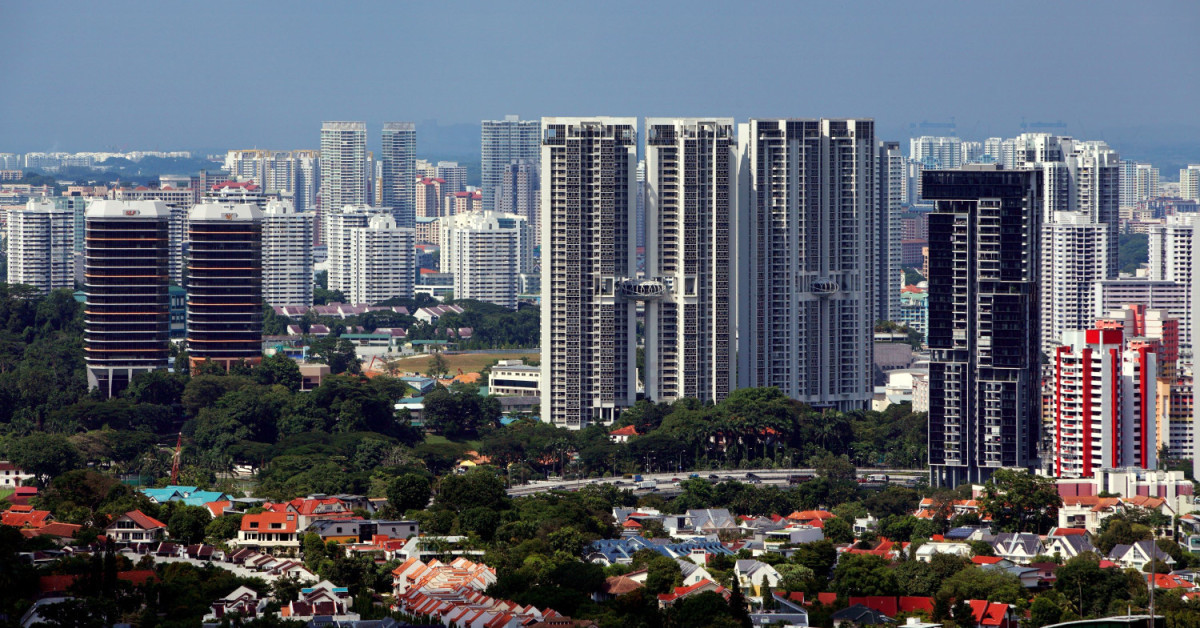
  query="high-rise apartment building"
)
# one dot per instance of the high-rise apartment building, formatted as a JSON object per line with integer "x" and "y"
{"x": 399, "y": 178}
{"x": 126, "y": 277}
{"x": 1147, "y": 182}
{"x": 461, "y": 203}
{"x": 343, "y": 164}
{"x": 1174, "y": 248}
{"x": 1074, "y": 258}
{"x": 454, "y": 176}
{"x": 287, "y": 260}
{"x": 278, "y": 171}
{"x": 343, "y": 169}
{"x": 383, "y": 261}
{"x": 1175, "y": 298}
{"x": 180, "y": 202}
{"x": 518, "y": 192}
{"x": 587, "y": 229}
{"x": 807, "y": 259}
{"x": 1102, "y": 403}
{"x": 1128, "y": 183}
{"x": 984, "y": 375}
{"x": 428, "y": 200}
{"x": 340, "y": 255}
{"x": 502, "y": 143}
{"x": 889, "y": 274}
{"x": 1189, "y": 182}
{"x": 40, "y": 243}
{"x": 225, "y": 284}
{"x": 486, "y": 251}
{"x": 936, "y": 153}
{"x": 691, "y": 197}
{"x": 640, "y": 211}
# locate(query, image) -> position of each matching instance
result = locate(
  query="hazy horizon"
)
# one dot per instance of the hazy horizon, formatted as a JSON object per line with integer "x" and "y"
{"x": 222, "y": 75}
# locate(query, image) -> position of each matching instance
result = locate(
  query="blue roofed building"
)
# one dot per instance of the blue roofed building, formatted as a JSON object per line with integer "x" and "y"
{"x": 190, "y": 495}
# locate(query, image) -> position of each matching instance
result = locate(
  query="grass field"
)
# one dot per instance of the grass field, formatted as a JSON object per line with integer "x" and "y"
{"x": 468, "y": 362}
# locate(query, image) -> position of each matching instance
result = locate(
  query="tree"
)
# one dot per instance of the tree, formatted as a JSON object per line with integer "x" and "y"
{"x": 1119, "y": 531}
{"x": 278, "y": 369}
{"x": 460, "y": 412}
{"x": 1092, "y": 589}
{"x": 794, "y": 577}
{"x": 188, "y": 524}
{"x": 408, "y": 492}
{"x": 338, "y": 353}
{"x": 477, "y": 488}
{"x": 437, "y": 366}
{"x": 863, "y": 574}
{"x": 839, "y": 530}
{"x": 993, "y": 585}
{"x": 1019, "y": 501}
{"x": 224, "y": 528}
{"x": 663, "y": 575}
{"x": 44, "y": 455}
{"x": 818, "y": 556}
{"x": 916, "y": 578}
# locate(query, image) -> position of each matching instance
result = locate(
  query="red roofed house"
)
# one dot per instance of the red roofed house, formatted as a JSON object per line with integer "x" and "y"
{"x": 623, "y": 434}
{"x": 25, "y": 517}
{"x": 668, "y": 599}
{"x": 136, "y": 527}
{"x": 269, "y": 530}
{"x": 993, "y": 614}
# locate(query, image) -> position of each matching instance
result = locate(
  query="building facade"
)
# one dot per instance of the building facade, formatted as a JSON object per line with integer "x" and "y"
{"x": 340, "y": 256}
{"x": 1189, "y": 182}
{"x": 502, "y": 143}
{"x": 889, "y": 274}
{"x": 343, "y": 170}
{"x": 1173, "y": 251}
{"x": 383, "y": 261}
{"x": 1074, "y": 258}
{"x": 691, "y": 196}
{"x": 287, "y": 259}
{"x": 1102, "y": 403}
{"x": 984, "y": 372}
{"x": 225, "y": 284}
{"x": 517, "y": 192}
{"x": 398, "y": 162}
{"x": 40, "y": 243}
{"x": 587, "y": 229}
{"x": 936, "y": 153}
{"x": 486, "y": 251}
{"x": 126, "y": 277}
{"x": 807, "y": 259}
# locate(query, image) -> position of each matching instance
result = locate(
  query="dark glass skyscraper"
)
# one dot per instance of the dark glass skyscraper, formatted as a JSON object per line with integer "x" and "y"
{"x": 984, "y": 373}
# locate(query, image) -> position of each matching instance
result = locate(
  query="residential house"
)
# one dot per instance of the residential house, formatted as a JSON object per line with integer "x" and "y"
{"x": 711, "y": 521}
{"x": 321, "y": 600}
{"x": 242, "y": 601}
{"x": 622, "y": 434}
{"x": 679, "y": 593}
{"x": 926, "y": 552}
{"x": 362, "y": 530}
{"x": 1018, "y": 547}
{"x": 753, "y": 575}
{"x": 1136, "y": 556}
{"x": 12, "y": 476}
{"x": 430, "y": 315}
{"x": 860, "y": 615}
{"x": 269, "y": 530}
{"x": 135, "y": 527}
{"x": 1067, "y": 546}
{"x": 190, "y": 495}
{"x": 788, "y": 613}
{"x": 459, "y": 572}
{"x": 692, "y": 573}
{"x": 26, "y": 517}
{"x": 986, "y": 614}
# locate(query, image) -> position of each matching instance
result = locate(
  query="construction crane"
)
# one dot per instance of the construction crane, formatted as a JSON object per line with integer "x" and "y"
{"x": 176, "y": 459}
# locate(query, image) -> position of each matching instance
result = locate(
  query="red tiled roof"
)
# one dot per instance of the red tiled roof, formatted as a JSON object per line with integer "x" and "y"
{"x": 988, "y": 613}
{"x": 885, "y": 604}
{"x": 144, "y": 521}
{"x": 827, "y": 599}
{"x": 986, "y": 560}
{"x": 628, "y": 430}
{"x": 262, "y": 521}
{"x": 54, "y": 528}
{"x": 24, "y": 516}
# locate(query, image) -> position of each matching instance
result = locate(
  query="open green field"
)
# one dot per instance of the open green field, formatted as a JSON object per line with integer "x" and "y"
{"x": 468, "y": 362}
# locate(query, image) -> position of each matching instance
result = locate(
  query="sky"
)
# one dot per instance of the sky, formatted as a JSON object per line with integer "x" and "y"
{"x": 117, "y": 75}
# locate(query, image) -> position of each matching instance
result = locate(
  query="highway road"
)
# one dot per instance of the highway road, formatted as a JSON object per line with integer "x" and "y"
{"x": 665, "y": 481}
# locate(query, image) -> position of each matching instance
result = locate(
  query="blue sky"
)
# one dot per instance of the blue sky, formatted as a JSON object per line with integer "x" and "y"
{"x": 215, "y": 74}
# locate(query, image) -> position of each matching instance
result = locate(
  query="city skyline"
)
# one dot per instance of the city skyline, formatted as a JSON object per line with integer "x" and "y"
{"x": 904, "y": 76}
